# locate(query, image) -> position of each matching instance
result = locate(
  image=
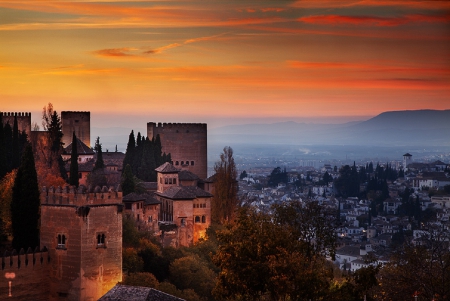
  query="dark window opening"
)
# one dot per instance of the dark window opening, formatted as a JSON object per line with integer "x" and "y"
{"x": 197, "y": 219}
{"x": 101, "y": 240}
{"x": 61, "y": 241}
{"x": 203, "y": 219}
{"x": 192, "y": 162}
{"x": 176, "y": 163}
{"x": 175, "y": 181}
{"x": 182, "y": 162}
{"x": 79, "y": 175}
{"x": 187, "y": 162}
{"x": 128, "y": 206}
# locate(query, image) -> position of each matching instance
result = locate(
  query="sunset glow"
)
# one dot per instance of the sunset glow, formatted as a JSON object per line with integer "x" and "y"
{"x": 197, "y": 61}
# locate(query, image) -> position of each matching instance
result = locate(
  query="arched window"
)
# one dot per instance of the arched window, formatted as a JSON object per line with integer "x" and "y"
{"x": 203, "y": 219}
{"x": 101, "y": 240}
{"x": 176, "y": 163}
{"x": 61, "y": 241}
{"x": 197, "y": 219}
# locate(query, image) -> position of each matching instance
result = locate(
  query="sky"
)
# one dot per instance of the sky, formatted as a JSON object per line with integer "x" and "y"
{"x": 224, "y": 62}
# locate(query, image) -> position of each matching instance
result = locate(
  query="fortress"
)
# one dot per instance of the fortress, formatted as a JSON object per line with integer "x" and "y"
{"x": 186, "y": 143}
{"x": 80, "y": 252}
{"x": 81, "y": 248}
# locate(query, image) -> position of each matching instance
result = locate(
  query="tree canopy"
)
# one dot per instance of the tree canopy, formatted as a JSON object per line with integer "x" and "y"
{"x": 225, "y": 200}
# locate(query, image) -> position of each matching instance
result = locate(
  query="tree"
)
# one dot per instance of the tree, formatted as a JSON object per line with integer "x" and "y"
{"x": 243, "y": 175}
{"x": 25, "y": 204}
{"x": 128, "y": 181}
{"x": 347, "y": 184}
{"x": 141, "y": 279}
{"x": 129, "y": 153}
{"x": 261, "y": 256}
{"x": 99, "y": 163}
{"x": 73, "y": 179}
{"x": 278, "y": 176}
{"x": 6, "y": 186}
{"x": 225, "y": 199}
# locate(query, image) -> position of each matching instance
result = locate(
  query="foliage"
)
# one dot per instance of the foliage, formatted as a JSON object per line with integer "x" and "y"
{"x": 12, "y": 144}
{"x": 191, "y": 272}
{"x": 99, "y": 163}
{"x": 347, "y": 184}
{"x": 6, "y": 187}
{"x": 141, "y": 279}
{"x": 423, "y": 269}
{"x": 243, "y": 175}
{"x": 131, "y": 261}
{"x": 144, "y": 156}
{"x": 25, "y": 204}
{"x": 278, "y": 176}
{"x": 73, "y": 179}
{"x": 225, "y": 199}
{"x": 260, "y": 256}
{"x": 187, "y": 294}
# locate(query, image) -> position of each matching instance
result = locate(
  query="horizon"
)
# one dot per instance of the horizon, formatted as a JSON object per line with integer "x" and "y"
{"x": 224, "y": 63}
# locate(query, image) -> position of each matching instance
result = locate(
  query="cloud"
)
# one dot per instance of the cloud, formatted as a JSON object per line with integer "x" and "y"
{"x": 412, "y": 4}
{"x": 372, "y": 20}
{"x": 115, "y": 52}
{"x": 189, "y": 41}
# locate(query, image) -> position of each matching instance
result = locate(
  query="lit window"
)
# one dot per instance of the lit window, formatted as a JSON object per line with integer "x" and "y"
{"x": 61, "y": 241}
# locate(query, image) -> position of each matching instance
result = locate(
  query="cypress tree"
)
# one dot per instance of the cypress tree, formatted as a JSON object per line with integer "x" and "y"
{"x": 73, "y": 180}
{"x": 99, "y": 163}
{"x": 129, "y": 153}
{"x": 128, "y": 183}
{"x": 15, "y": 145}
{"x": 25, "y": 204}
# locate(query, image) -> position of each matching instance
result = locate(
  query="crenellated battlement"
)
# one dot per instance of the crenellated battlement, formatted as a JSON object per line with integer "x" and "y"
{"x": 18, "y": 114}
{"x": 70, "y": 195}
{"x": 25, "y": 259}
{"x": 198, "y": 126}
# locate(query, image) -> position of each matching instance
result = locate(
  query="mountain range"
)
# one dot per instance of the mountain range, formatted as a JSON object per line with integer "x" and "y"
{"x": 394, "y": 128}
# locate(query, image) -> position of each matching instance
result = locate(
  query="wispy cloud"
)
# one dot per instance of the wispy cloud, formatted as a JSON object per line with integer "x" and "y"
{"x": 373, "y": 20}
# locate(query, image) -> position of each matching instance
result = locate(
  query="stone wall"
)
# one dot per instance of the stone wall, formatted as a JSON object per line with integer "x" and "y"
{"x": 88, "y": 261}
{"x": 186, "y": 142}
{"x": 78, "y": 122}
{"x": 23, "y": 120}
{"x": 24, "y": 276}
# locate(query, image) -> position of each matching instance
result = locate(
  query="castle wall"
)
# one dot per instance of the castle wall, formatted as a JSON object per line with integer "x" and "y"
{"x": 78, "y": 122}
{"x": 23, "y": 120}
{"x": 83, "y": 268}
{"x": 186, "y": 142}
{"x": 24, "y": 276}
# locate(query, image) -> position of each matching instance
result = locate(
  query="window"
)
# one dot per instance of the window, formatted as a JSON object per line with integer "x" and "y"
{"x": 182, "y": 162}
{"x": 170, "y": 181}
{"x": 166, "y": 181}
{"x": 194, "y": 206}
{"x": 197, "y": 219}
{"x": 101, "y": 240}
{"x": 176, "y": 163}
{"x": 128, "y": 206}
{"x": 183, "y": 222}
{"x": 187, "y": 162}
{"x": 203, "y": 219}
{"x": 79, "y": 175}
{"x": 61, "y": 241}
{"x": 192, "y": 163}
{"x": 174, "y": 180}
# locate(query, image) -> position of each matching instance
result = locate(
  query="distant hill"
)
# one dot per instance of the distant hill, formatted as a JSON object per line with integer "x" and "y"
{"x": 396, "y": 128}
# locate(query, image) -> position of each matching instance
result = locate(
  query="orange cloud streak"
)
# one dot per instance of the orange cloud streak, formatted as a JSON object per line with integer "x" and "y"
{"x": 369, "y": 20}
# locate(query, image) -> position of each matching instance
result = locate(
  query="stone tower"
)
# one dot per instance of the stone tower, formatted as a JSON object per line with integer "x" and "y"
{"x": 78, "y": 122}
{"x": 406, "y": 161}
{"x": 83, "y": 234}
{"x": 23, "y": 120}
{"x": 186, "y": 142}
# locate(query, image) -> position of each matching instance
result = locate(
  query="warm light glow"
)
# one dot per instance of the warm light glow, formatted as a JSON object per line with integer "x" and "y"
{"x": 194, "y": 61}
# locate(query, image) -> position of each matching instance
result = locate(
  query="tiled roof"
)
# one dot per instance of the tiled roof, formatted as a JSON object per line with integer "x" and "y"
{"x": 136, "y": 293}
{"x": 151, "y": 186}
{"x": 146, "y": 197}
{"x": 211, "y": 179}
{"x": 184, "y": 193}
{"x": 82, "y": 167}
{"x": 167, "y": 168}
{"x": 82, "y": 148}
{"x": 178, "y": 193}
{"x": 186, "y": 175}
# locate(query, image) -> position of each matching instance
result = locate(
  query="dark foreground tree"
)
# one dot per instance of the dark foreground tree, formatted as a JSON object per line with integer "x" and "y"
{"x": 25, "y": 204}
{"x": 74, "y": 180}
{"x": 225, "y": 200}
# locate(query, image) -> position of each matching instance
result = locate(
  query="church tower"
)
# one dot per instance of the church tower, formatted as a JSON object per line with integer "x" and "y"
{"x": 83, "y": 234}
{"x": 406, "y": 160}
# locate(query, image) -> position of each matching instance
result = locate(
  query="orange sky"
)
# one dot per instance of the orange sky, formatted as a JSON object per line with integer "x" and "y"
{"x": 200, "y": 61}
